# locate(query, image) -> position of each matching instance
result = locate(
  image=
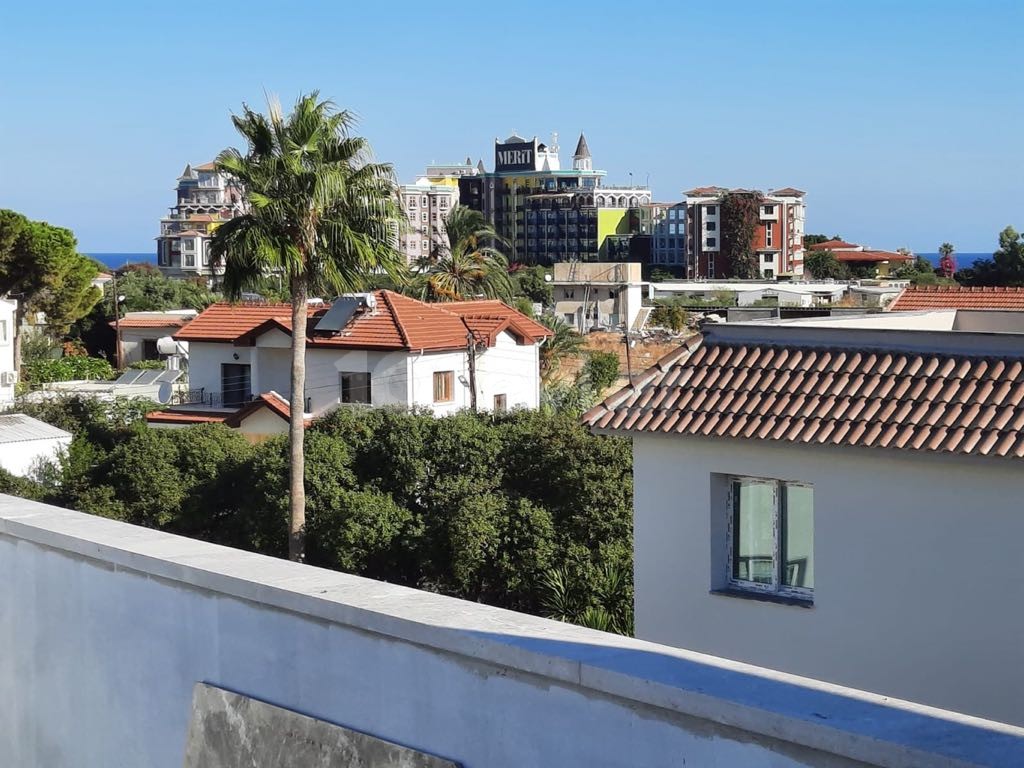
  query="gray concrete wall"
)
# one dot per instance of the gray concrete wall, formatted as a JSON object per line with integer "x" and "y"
{"x": 918, "y": 584}
{"x": 105, "y": 629}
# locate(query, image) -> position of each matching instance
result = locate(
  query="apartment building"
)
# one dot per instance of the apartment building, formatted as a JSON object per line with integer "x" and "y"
{"x": 668, "y": 234}
{"x": 550, "y": 214}
{"x": 205, "y": 199}
{"x": 778, "y": 237}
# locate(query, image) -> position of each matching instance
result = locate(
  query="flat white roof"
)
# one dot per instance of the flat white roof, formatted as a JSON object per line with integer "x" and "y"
{"x": 19, "y": 428}
{"x": 683, "y": 287}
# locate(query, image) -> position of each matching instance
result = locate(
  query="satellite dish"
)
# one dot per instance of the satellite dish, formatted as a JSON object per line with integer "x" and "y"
{"x": 164, "y": 392}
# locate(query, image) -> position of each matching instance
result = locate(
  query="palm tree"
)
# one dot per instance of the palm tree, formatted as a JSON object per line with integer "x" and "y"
{"x": 322, "y": 215}
{"x": 565, "y": 342}
{"x": 947, "y": 264}
{"x": 468, "y": 263}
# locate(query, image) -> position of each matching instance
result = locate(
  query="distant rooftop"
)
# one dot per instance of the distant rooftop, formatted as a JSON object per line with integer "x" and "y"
{"x": 959, "y": 297}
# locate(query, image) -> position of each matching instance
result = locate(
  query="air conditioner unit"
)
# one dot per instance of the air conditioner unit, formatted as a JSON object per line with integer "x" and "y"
{"x": 9, "y": 378}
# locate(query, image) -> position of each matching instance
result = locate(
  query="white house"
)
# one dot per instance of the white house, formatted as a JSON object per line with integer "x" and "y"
{"x": 840, "y": 499}
{"x": 25, "y": 441}
{"x": 748, "y": 292}
{"x": 148, "y": 335}
{"x": 8, "y": 376}
{"x": 377, "y": 349}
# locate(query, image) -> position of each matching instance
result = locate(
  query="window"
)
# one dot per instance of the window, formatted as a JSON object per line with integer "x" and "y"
{"x": 711, "y": 210}
{"x": 3, "y": 331}
{"x": 771, "y": 537}
{"x": 769, "y": 258}
{"x": 423, "y": 216}
{"x": 769, "y": 210}
{"x": 500, "y": 403}
{"x": 712, "y": 242}
{"x": 712, "y": 226}
{"x": 768, "y": 234}
{"x": 189, "y": 259}
{"x": 149, "y": 350}
{"x": 355, "y": 388}
{"x": 444, "y": 386}
{"x": 426, "y": 245}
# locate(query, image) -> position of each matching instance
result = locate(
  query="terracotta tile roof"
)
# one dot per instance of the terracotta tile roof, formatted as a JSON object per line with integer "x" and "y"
{"x": 189, "y": 233}
{"x": 211, "y": 166}
{"x": 866, "y": 397}
{"x": 227, "y": 322}
{"x": 398, "y": 322}
{"x": 488, "y": 318}
{"x": 186, "y": 417}
{"x": 788, "y": 192}
{"x": 152, "y": 320}
{"x": 832, "y": 244}
{"x": 705, "y": 191}
{"x": 272, "y": 401}
{"x": 958, "y": 297}
{"x": 869, "y": 255}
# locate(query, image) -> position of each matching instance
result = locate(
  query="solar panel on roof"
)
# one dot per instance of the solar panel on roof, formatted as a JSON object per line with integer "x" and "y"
{"x": 168, "y": 376}
{"x": 337, "y": 317}
{"x": 129, "y": 377}
{"x": 148, "y": 377}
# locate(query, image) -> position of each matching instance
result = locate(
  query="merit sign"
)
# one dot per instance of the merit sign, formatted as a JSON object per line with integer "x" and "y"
{"x": 515, "y": 157}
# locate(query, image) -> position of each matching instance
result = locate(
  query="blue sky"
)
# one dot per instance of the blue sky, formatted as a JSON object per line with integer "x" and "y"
{"x": 904, "y": 121}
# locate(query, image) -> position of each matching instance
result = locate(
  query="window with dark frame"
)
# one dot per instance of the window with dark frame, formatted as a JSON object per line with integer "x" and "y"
{"x": 355, "y": 387}
{"x": 444, "y": 386}
{"x": 500, "y": 403}
{"x": 771, "y": 537}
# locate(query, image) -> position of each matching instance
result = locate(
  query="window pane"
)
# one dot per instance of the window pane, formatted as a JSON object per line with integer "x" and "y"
{"x": 753, "y": 540}
{"x": 798, "y": 536}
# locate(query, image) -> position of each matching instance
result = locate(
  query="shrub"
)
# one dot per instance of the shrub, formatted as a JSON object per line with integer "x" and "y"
{"x": 601, "y": 369}
{"x": 66, "y": 369}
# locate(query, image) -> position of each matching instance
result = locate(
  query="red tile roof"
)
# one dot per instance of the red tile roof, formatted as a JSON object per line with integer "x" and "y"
{"x": 867, "y": 397}
{"x": 186, "y": 417}
{"x": 958, "y": 297}
{"x": 831, "y": 244}
{"x": 868, "y": 255}
{"x": 787, "y": 192}
{"x": 153, "y": 320}
{"x": 272, "y": 401}
{"x": 211, "y": 166}
{"x": 489, "y": 317}
{"x": 398, "y": 322}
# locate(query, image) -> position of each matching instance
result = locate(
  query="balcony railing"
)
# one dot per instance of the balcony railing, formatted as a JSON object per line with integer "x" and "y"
{"x": 201, "y": 397}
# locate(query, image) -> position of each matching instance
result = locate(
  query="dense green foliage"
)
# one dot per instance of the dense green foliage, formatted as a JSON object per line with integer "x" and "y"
{"x": 530, "y": 282}
{"x": 739, "y": 217}
{"x": 601, "y": 369}
{"x": 466, "y": 263}
{"x": 494, "y": 508}
{"x": 567, "y": 342}
{"x": 72, "y": 368}
{"x": 824, "y": 265}
{"x": 40, "y": 264}
{"x": 1006, "y": 267}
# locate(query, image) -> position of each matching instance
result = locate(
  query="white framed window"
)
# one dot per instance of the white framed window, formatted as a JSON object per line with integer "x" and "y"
{"x": 771, "y": 537}
{"x": 769, "y": 234}
{"x": 188, "y": 259}
{"x": 3, "y": 331}
{"x": 423, "y": 216}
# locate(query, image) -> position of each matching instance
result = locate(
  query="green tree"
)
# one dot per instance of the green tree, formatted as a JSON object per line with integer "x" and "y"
{"x": 565, "y": 343}
{"x": 40, "y": 263}
{"x": 531, "y": 282}
{"x": 322, "y": 214}
{"x": 1006, "y": 267}
{"x": 739, "y": 218}
{"x": 601, "y": 369}
{"x": 824, "y": 265}
{"x": 466, "y": 265}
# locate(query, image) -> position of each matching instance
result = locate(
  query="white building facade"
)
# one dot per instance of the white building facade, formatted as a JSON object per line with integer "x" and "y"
{"x": 393, "y": 351}
{"x": 8, "y": 374}
{"x": 839, "y": 503}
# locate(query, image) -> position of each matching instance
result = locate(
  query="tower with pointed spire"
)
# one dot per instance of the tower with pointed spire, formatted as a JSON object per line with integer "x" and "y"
{"x": 581, "y": 160}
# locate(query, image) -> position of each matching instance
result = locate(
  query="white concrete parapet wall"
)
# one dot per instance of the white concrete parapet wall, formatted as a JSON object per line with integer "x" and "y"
{"x": 106, "y": 627}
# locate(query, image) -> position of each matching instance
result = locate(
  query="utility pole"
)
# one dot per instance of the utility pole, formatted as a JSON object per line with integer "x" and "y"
{"x": 471, "y": 350}
{"x": 117, "y": 322}
{"x": 629, "y": 357}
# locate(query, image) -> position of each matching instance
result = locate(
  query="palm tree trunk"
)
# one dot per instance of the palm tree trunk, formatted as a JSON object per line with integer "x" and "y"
{"x": 296, "y": 427}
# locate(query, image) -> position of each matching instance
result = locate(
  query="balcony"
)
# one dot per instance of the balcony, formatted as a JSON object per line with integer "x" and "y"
{"x": 204, "y": 399}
